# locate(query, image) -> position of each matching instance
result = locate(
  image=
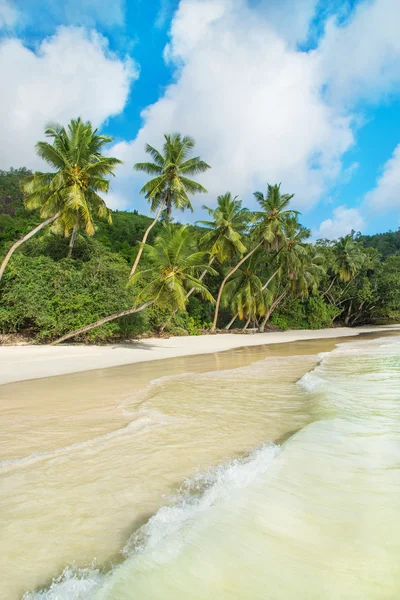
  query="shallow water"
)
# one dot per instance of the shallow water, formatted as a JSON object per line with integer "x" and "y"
{"x": 96, "y": 454}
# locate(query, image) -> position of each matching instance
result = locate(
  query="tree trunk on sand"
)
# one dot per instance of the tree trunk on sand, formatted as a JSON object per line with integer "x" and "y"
{"x": 247, "y": 324}
{"x": 72, "y": 241}
{"x": 190, "y": 292}
{"x": 271, "y": 310}
{"x": 231, "y": 322}
{"x": 347, "y": 318}
{"x": 221, "y": 289}
{"x": 144, "y": 239}
{"x": 124, "y": 313}
{"x": 24, "y": 239}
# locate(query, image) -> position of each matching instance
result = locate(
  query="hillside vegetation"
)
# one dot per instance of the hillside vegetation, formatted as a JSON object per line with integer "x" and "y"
{"x": 262, "y": 272}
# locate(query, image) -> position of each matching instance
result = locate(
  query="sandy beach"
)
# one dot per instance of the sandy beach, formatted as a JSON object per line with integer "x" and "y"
{"x": 18, "y": 363}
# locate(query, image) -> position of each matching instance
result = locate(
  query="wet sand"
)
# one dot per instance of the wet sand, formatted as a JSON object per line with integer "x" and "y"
{"x": 18, "y": 363}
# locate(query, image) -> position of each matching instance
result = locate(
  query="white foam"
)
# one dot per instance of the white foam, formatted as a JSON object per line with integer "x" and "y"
{"x": 195, "y": 496}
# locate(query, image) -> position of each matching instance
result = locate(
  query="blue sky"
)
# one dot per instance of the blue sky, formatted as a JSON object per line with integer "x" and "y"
{"x": 304, "y": 92}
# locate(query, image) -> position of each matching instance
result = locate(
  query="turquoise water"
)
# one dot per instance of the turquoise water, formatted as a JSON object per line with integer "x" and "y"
{"x": 315, "y": 518}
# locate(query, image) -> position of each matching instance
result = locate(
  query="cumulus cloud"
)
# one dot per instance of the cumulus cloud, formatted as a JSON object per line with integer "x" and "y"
{"x": 70, "y": 74}
{"x": 360, "y": 59}
{"x": 342, "y": 223}
{"x": 252, "y": 103}
{"x": 8, "y": 15}
{"x": 386, "y": 194}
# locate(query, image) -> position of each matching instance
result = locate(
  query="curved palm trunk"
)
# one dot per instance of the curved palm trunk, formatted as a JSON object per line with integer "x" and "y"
{"x": 124, "y": 313}
{"x": 204, "y": 273}
{"x": 146, "y": 234}
{"x": 190, "y": 292}
{"x": 247, "y": 324}
{"x": 72, "y": 241}
{"x": 231, "y": 322}
{"x": 24, "y": 239}
{"x": 271, "y": 310}
{"x": 269, "y": 280}
{"x": 221, "y": 289}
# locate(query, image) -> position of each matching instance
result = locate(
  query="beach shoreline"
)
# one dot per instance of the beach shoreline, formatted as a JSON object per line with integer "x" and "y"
{"x": 20, "y": 363}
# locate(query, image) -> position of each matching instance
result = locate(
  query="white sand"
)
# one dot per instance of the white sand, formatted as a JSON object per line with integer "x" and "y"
{"x": 18, "y": 363}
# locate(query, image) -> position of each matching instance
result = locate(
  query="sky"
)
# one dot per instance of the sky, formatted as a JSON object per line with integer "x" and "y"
{"x": 302, "y": 92}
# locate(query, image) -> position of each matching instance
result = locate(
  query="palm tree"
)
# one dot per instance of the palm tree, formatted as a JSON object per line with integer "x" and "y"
{"x": 228, "y": 224}
{"x": 267, "y": 231}
{"x": 348, "y": 258}
{"x": 223, "y": 237}
{"x": 70, "y": 194}
{"x": 243, "y": 292}
{"x": 173, "y": 271}
{"x": 171, "y": 185}
{"x": 273, "y": 216}
{"x": 299, "y": 264}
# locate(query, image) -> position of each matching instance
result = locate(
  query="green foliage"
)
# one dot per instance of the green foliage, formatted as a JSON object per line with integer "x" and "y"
{"x": 44, "y": 295}
{"x": 47, "y": 298}
{"x": 387, "y": 244}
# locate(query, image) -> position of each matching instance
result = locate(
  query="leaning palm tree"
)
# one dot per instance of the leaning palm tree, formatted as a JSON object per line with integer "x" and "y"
{"x": 267, "y": 231}
{"x": 171, "y": 186}
{"x": 223, "y": 238}
{"x": 348, "y": 258}
{"x": 243, "y": 292}
{"x": 70, "y": 194}
{"x": 299, "y": 266}
{"x": 174, "y": 268}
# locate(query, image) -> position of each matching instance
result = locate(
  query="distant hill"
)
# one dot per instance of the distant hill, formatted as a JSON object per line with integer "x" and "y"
{"x": 387, "y": 243}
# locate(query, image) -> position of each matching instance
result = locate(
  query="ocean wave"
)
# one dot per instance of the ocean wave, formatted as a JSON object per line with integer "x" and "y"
{"x": 196, "y": 495}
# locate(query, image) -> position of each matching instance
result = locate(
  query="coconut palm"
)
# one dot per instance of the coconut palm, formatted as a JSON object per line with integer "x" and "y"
{"x": 224, "y": 234}
{"x": 174, "y": 268}
{"x": 267, "y": 231}
{"x": 243, "y": 292}
{"x": 348, "y": 258}
{"x": 272, "y": 218}
{"x": 299, "y": 265}
{"x": 70, "y": 194}
{"x": 171, "y": 186}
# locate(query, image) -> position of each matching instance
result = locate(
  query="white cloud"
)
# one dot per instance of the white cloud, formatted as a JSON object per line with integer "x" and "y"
{"x": 70, "y": 74}
{"x": 361, "y": 59}
{"x": 252, "y": 103}
{"x": 8, "y": 15}
{"x": 386, "y": 195}
{"x": 343, "y": 222}
{"x": 290, "y": 17}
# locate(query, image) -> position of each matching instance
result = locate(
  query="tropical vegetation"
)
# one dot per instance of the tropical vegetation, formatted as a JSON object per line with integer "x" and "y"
{"x": 72, "y": 269}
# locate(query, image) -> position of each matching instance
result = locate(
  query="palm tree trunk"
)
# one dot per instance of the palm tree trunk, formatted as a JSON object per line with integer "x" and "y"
{"x": 146, "y": 234}
{"x": 190, "y": 292}
{"x": 347, "y": 318}
{"x": 72, "y": 240}
{"x": 231, "y": 322}
{"x": 271, "y": 309}
{"x": 169, "y": 209}
{"x": 204, "y": 273}
{"x": 269, "y": 280}
{"x": 124, "y": 313}
{"x": 247, "y": 324}
{"x": 221, "y": 289}
{"x": 329, "y": 288}
{"x": 24, "y": 239}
